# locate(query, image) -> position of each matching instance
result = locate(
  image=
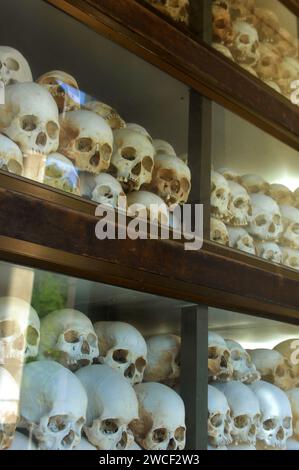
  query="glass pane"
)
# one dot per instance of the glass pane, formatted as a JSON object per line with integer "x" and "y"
{"x": 262, "y": 37}
{"x": 254, "y": 193}
{"x": 253, "y": 380}
{"x": 109, "y": 120}
{"x": 76, "y": 358}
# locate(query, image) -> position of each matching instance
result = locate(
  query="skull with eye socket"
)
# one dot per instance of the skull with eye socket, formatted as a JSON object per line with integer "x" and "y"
{"x": 14, "y": 68}
{"x": 64, "y": 89}
{"x": 68, "y": 337}
{"x": 245, "y": 47}
{"x": 87, "y": 139}
{"x": 132, "y": 161}
{"x": 222, "y": 23}
{"x": 122, "y": 348}
{"x": 266, "y": 221}
{"x": 161, "y": 423}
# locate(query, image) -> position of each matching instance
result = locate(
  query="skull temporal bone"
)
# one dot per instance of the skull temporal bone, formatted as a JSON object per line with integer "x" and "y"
{"x": 87, "y": 139}
{"x": 112, "y": 406}
{"x": 68, "y": 337}
{"x": 122, "y": 348}
{"x": 53, "y": 405}
{"x": 30, "y": 118}
{"x": 133, "y": 159}
{"x": 161, "y": 423}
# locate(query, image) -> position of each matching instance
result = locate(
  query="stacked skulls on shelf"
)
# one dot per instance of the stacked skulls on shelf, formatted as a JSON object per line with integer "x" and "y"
{"x": 85, "y": 149}
{"x": 254, "y": 38}
{"x": 254, "y": 216}
{"x": 99, "y": 386}
{"x": 253, "y": 398}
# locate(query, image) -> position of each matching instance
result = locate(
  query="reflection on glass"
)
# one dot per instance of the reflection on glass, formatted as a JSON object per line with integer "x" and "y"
{"x": 254, "y": 195}
{"x": 260, "y": 36}
{"x": 253, "y": 380}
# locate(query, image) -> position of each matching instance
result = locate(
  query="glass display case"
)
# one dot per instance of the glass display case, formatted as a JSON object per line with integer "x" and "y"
{"x": 103, "y": 102}
{"x": 254, "y": 190}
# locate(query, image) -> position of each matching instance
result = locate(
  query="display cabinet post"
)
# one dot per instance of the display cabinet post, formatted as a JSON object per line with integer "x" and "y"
{"x": 194, "y": 374}
{"x": 199, "y": 154}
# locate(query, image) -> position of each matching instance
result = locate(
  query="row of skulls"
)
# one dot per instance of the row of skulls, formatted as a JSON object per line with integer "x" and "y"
{"x": 111, "y": 359}
{"x": 253, "y": 396}
{"x": 254, "y": 38}
{"x": 254, "y": 216}
{"x": 85, "y": 149}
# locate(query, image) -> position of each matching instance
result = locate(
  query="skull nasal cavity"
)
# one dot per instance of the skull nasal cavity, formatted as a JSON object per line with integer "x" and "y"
{"x": 95, "y": 159}
{"x": 120, "y": 355}
{"x": 130, "y": 371}
{"x": 41, "y": 139}
{"x": 128, "y": 153}
{"x": 85, "y": 348}
{"x": 171, "y": 445}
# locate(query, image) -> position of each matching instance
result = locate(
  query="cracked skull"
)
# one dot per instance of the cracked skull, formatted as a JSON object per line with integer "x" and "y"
{"x": 14, "y": 68}
{"x": 19, "y": 331}
{"x": 30, "y": 118}
{"x": 53, "y": 405}
{"x": 87, "y": 139}
{"x": 161, "y": 423}
{"x": 68, "y": 337}
{"x": 112, "y": 406}
{"x": 64, "y": 89}
{"x": 122, "y": 348}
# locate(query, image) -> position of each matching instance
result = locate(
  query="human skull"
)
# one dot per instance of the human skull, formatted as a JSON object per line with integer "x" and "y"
{"x": 289, "y": 349}
{"x": 133, "y": 159}
{"x": 290, "y": 221}
{"x": 281, "y": 194}
{"x": 14, "y": 67}
{"x": 53, "y": 405}
{"x": 161, "y": 423}
{"x": 241, "y": 240}
{"x": 87, "y": 139}
{"x": 60, "y": 173}
{"x": 267, "y": 24}
{"x": 269, "y": 251}
{"x": 103, "y": 189}
{"x": 245, "y": 47}
{"x": 245, "y": 411}
{"x": 163, "y": 148}
{"x": 218, "y": 232}
{"x": 11, "y": 158}
{"x": 112, "y": 406}
{"x": 223, "y": 50}
{"x": 178, "y": 10}
{"x": 266, "y": 223}
{"x": 222, "y": 23}
{"x": 123, "y": 348}
{"x": 244, "y": 369}
{"x": 268, "y": 65}
{"x": 9, "y": 408}
{"x": 219, "y": 419}
{"x": 219, "y": 364}
{"x": 229, "y": 174}
{"x": 254, "y": 183}
{"x": 148, "y": 206}
{"x": 273, "y": 367}
{"x": 220, "y": 197}
{"x": 293, "y": 396}
{"x": 64, "y": 89}
{"x": 107, "y": 112}
{"x": 276, "y": 414}
{"x": 288, "y": 72}
{"x": 68, "y": 337}
{"x": 290, "y": 258}
{"x": 30, "y": 118}
{"x": 19, "y": 331}
{"x": 163, "y": 359}
{"x": 171, "y": 179}
{"x": 239, "y": 205}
